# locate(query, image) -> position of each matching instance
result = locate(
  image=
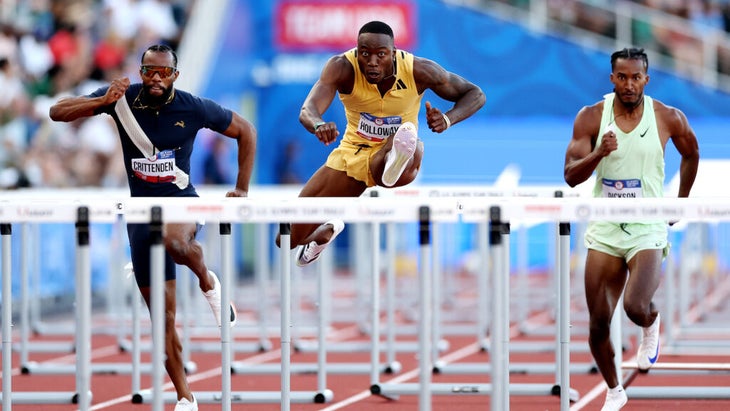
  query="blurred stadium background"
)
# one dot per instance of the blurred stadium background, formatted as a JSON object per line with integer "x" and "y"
{"x": 538, "y": 62}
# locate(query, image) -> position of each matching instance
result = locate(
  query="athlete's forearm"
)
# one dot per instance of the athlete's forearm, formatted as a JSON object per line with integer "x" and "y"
{"x": 687, "y": 173}
{"x": 74, "y": 108}
{"x": 309, "y": 118}
{"x": 578, "y": 170}
{"x": 466, "y": 106}
{"x": 246, "y": 154}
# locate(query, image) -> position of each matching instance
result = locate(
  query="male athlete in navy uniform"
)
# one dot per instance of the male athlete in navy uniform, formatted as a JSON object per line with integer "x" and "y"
{"x": 157, "y": 126}
{"x": 381, "y": 89}
{"x": 623, "y": 138}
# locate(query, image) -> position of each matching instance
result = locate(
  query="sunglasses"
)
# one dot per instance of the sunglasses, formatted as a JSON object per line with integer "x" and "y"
{"x": 163, "y": 71}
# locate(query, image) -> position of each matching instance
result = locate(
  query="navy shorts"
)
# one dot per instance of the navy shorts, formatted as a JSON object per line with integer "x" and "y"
{"x": 139, "y": 244}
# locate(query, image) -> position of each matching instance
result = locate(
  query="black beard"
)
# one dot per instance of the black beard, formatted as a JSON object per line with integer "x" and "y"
{"x": 630, "y": 106}
{"x": 634, "y": 105}
{"x": 155, "y": 101}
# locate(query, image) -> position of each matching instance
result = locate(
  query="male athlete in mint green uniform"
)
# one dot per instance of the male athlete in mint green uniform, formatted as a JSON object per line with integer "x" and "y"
{"x": 622, "y": 139}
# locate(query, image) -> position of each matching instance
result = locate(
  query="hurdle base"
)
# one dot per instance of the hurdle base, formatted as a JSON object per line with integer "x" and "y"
{"x": 573, "y": 394}
{"x": 543, "y": 347}
{"x": 241, "y": 368}
{"x": 514, "y": 368}
{"x": 392, "y": 391}
{"x": 364, "y": 346}
{"x": 393, "y": 368}
{"x": 679, "y": 366}
{"x": 113, "y": 368}
{"x": 243, "y": 397}
{"x": 44, "y": 397}
{"x": 204, "y": 347}
{"x": 47, "y": 347}
{"x": 677, "y": 392}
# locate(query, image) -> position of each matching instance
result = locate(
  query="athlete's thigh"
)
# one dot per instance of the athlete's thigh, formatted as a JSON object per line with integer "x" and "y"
{"x": 139, "y": 244}
{"x": 645, "y": 270}
{"x": 328, "y": 182}
{"x": 605, "y": 276}
{"x": 176, "y": 234}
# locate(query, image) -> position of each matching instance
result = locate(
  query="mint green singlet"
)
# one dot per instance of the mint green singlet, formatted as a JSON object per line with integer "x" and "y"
{"x": 634, "y": 170}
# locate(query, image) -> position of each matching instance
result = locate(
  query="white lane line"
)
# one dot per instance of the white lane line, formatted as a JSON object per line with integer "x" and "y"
{"x": 541, "y": 318}
{"x": 339, "y": 335}
{"x": 693, "y": 315}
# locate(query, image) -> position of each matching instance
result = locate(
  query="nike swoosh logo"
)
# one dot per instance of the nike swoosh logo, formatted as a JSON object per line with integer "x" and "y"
{"x": 652, "y": 360}
{"x": 644, "y": 133}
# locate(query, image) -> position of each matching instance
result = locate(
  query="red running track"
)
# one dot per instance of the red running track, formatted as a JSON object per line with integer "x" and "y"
{"x": 351, "y": 391}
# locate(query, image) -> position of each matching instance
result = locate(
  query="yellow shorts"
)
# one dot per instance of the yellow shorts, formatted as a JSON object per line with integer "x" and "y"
{"x": 624, "y": 240}
{"x": 354, "y": 159}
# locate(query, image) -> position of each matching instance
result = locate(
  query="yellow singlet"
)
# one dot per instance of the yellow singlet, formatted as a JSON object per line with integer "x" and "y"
{"x": 371, "y": 117}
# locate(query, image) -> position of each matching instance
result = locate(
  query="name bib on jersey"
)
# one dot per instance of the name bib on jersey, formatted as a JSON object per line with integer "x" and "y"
{"x": 622, "y": 188}
{"x": 159, "y": 168}
{"x": 376, "y": 128}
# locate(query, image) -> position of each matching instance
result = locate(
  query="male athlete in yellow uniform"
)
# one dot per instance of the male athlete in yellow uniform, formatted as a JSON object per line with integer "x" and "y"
{"x": 381, "y": 89}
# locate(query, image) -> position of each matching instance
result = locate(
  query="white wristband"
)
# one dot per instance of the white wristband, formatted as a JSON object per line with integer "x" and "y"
{"x": 446, "y": 119}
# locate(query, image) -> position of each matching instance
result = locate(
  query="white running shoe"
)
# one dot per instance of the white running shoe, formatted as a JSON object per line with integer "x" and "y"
{"x": 214, "y": 300}
{"x": 185, "y": 405}
{"x": 310, "y": 252}
{"x": 615, "y": 399}
{"x": 405, "y": 141}
{"x": 649, "y": 347}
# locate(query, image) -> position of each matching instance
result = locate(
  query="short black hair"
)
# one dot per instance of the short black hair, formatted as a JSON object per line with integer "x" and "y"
{"x": 162, "y": 48}
{"x": 632, "y": 53}
{"x": 376, "y": 27}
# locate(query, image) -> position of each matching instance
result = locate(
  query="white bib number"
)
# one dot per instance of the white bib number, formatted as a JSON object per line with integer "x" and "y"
{"x": 630, "y": 188}
{"x": 376, "y": 128}
{"x": 159, "y": 168}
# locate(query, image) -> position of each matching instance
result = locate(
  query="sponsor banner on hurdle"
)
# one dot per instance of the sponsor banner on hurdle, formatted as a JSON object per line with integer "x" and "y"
{"x": 57, "y": 211}
{"x": 638, "y": 210}
{"x": 445, "y": 208}
{"x": 299, "y": 210}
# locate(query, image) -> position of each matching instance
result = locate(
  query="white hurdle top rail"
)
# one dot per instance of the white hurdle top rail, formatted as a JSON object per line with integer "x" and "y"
{"x": 364, "y": 209}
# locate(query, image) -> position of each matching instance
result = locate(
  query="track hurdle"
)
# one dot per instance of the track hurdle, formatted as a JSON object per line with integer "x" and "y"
{"x": 688, "y": 319}
{"x": 23, "y": 212}
{"x": 186, "y": 210}
{"x": 687, "y": 209}
{"x": 374, "y": 346}
{"x": 561, "y": 211}
{"x": 669, "y": 317}
{"x": 499, "y": 389}
{"x": 322, "y": 393}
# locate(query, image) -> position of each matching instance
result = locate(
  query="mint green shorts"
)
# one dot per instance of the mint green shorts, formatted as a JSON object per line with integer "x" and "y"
{"x": 624, "y": 240}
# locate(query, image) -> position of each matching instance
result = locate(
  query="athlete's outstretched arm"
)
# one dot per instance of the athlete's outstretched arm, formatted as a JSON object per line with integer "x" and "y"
{"x": 74, "y": 108}
{"x": 467, "y": 97}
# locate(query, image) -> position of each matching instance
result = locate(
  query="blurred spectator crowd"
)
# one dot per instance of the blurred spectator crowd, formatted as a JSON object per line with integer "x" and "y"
{"x": 55, "y": 48}
{"x": 677, "y": 30}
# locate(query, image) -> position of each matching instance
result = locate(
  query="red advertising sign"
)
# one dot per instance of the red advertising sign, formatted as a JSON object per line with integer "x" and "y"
{"x": 317, "y": 25}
